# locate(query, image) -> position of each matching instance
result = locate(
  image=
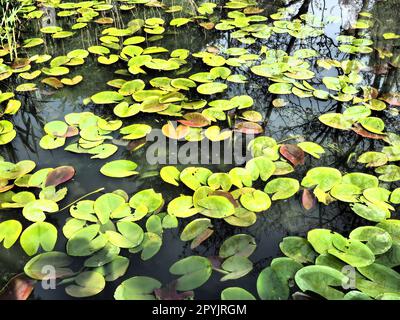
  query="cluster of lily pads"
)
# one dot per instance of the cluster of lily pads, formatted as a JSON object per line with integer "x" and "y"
{"x": 99, "y": 230}
{"x": 36, "y": 194}
{"x": 8, "y": 107}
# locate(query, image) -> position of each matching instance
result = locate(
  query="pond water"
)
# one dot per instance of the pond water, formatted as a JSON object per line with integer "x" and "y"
{"x": 295, "y": 122}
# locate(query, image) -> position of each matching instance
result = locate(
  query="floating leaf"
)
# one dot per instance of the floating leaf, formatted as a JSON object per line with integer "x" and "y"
{"x": 137, "y": 288}
{"x": 194, "y": 272}
{"x": 87, "y": 284}
{"x": 282, "y": 188}
{"x": 9, "y": 232}
{"x": 119, "y": 169}
{"x": 35, "y": 268}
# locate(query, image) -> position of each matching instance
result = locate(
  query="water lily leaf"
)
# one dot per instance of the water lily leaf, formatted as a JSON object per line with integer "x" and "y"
{"x": 194, "y": 119}
{"x": 321, "y": 239}
{"x": 393, "y": 228}
{"x": 18, "y": 287}
{"x": 220, "y": 181}
{"x": 111, "y": 59}
{"x": 108, "y": 205}
{"x": 388, "y": 173}
{"x": 395, "y": 196}
{"x": 35, "y": 268}
{"x": 151, "y": 245}
{"x": 373, "y": 159}
{"x": 247, "y": 127}
{"x": 99, "y": 50}
{"x": 33, "y": 42}
{"x": 26, "y": 87}
{"x": 56, "y": 128}
{"x": 170, "y": 174}
{"x": 114, "y": 269}
{"x": 237, "y": 267}
{"x": 260, "y": 167}
{"x": 361, "y": 180}
{"x": 321, "y": 279}
{"x": 72, "y": 82}
{"x": 240, "y": 177}
{"x": 256, "y": 201}
{"x": 336, "y": 120}
{"x": 85, "y": 241}
{"x": 353, "y": 252}
{"x": 377, "y": 239}
{"x": 135, "y": 131}
{"x": 51, "y": 29}
{"x": 131, "y": 235}
{"x": 175, "y": 133}
{"x": 39, "y": 234}
{"x": 216, "y": 207}
{"x": 55, "y": 71}
{"x": 59, "y": 175}
{"x": 237, "y": 245}
{"x": 298, "y": 249}
{"x": 273, "y": 281}
{"x": 311, "y": 148}
{"x": 373, "y": 124}
{"x": 386, "y": 278}
{"x": 211, "y": 88}
{"x": 87, "y": 284}
{"x": 293, "y": 153}
{"x": 49, "y": 142}
{"x": 324, "y": 178}
{"x": 35, "y": 210}
{"x": 371, "y": 211}
{"x": 280, "y": 88}
{"x": 148, "y": 198}
{"x": 9, "y": 232}
{"x": 178, "y": 22}
{"x": 119, "y": 169}
{"x": 182, "y": 207}
{"x": 30, "y": 76}
{"x": 195, "y": 177}
{"x": 346, "y": 192}
{"x": 124, "y": 110}
{"x": 137, "y": 288}
{"x": 236, "y": 293}
{"x": 282, "y": 188}
{"x": 194, "y": 272}
{"x": 195, "y": 228}
{"x": 107, "y": 97}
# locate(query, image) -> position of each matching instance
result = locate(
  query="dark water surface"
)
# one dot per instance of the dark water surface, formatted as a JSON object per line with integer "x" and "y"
{"x": 298, "y": 119}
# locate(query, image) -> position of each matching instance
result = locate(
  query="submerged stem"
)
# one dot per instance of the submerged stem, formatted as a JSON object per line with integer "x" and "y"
{"x": 81, "y": 198}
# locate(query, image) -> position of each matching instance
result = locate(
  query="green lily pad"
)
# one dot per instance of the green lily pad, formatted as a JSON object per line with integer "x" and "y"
{"x": 35, "y": 210}
{"x": 119, "y": 169}
{"x": 236, "y": 293}
{"x": 211, "y": 88}
{"x": 107, "y": 97}
{"x": 256, "y": 201}
{"x": 137, "y": 288}
{"x": 377, "y": 239}
{"x": 147, "y": 198}
{"x": 194, "y": 272}
{"x": 321, "y": 280}
{"x": 35, "y": 268}
{"x": 282, "y": 188}
{"x": 9, "y": 232}
{"x": 238, "y": 245}
{"x": 87, "y": 284}
{"x": 39, "y": 234}
{"x": 298, "y": 249}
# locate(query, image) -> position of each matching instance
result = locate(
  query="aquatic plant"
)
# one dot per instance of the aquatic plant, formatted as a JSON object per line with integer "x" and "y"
{"x": 192, "y": 100}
